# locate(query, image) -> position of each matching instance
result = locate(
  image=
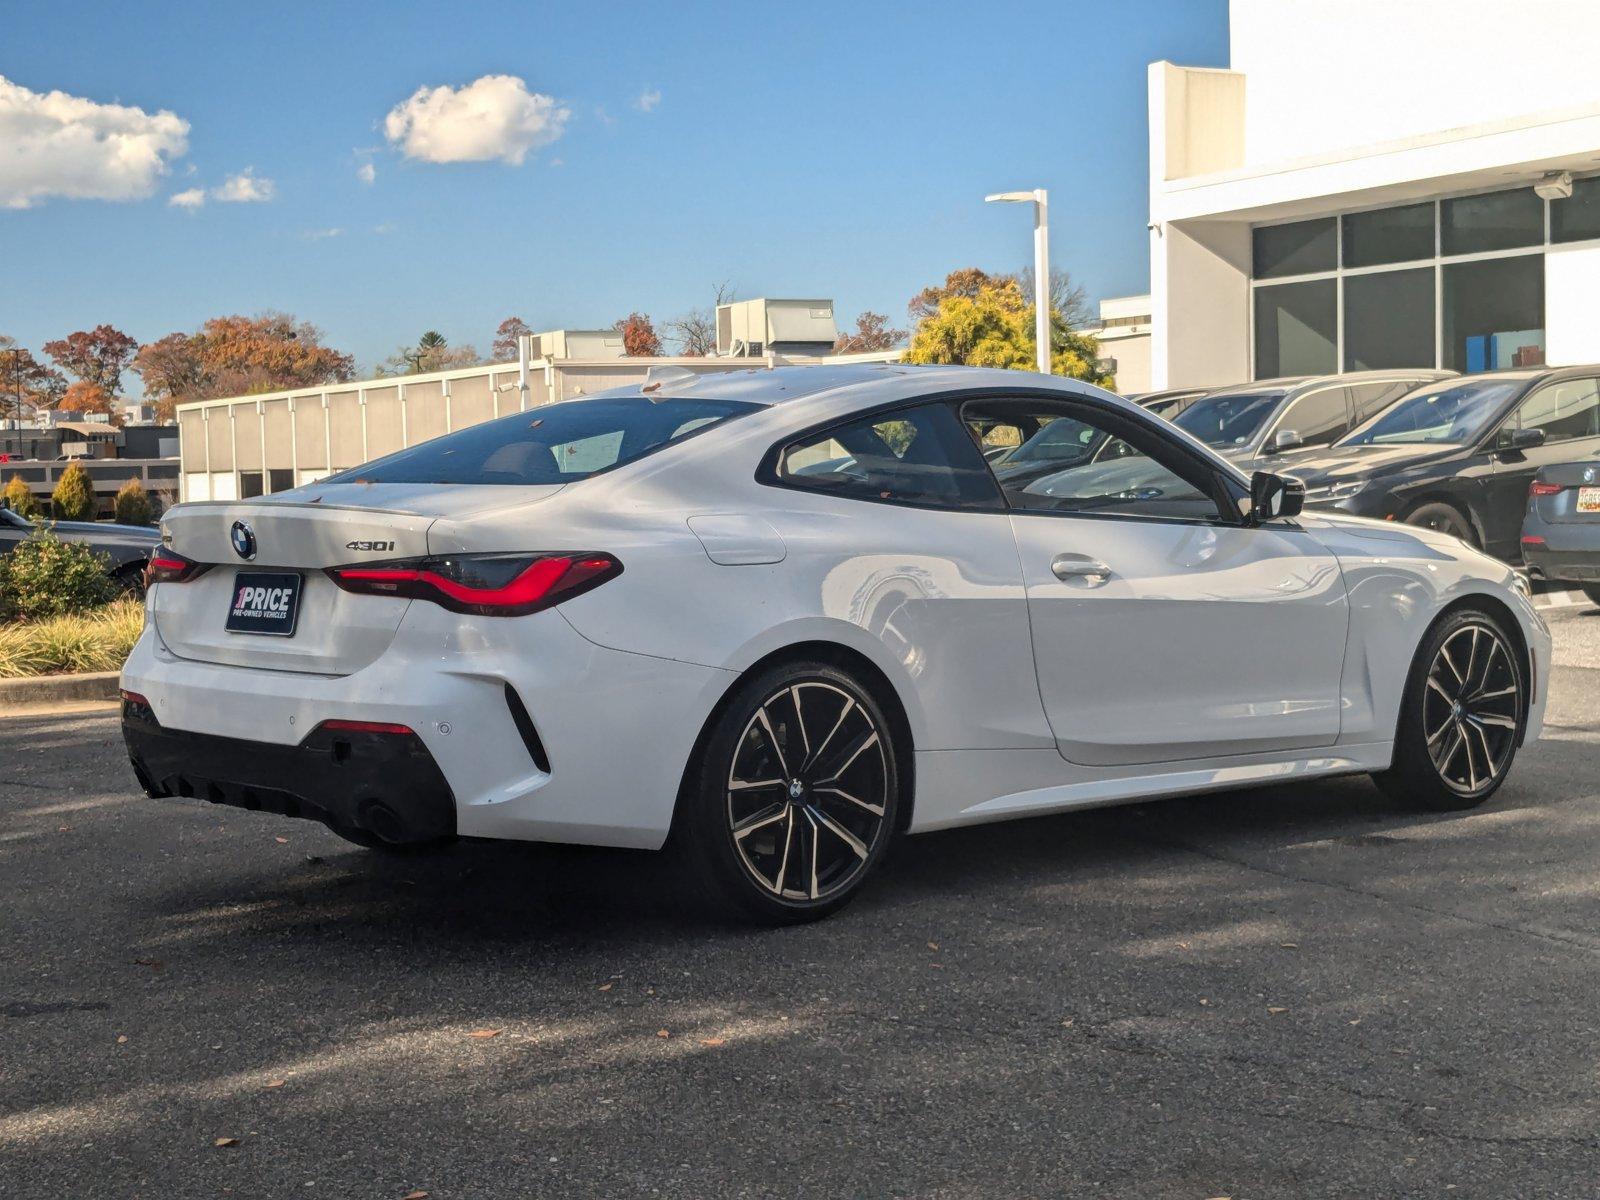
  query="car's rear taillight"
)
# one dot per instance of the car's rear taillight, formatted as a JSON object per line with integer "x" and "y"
{"x": 488, "y": 585}
{"x": 168, "y": 566}
{"x": 1544, "y": 489}
{"x": 384, "y": 727}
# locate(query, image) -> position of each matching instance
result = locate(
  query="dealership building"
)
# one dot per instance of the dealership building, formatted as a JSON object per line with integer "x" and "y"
{"x": 1377, "y": 184}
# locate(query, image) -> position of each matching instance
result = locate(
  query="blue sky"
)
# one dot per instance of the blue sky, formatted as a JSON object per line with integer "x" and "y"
{"x": 835, "y": 150}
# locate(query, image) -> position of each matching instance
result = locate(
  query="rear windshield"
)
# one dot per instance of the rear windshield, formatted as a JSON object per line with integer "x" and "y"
{"x": 556, "y": 444}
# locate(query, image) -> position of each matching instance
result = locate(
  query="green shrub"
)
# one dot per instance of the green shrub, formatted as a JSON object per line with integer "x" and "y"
{"x": 132, "y": 505}
{"x": 73, "y": 499}
{"x": 100, "y": 641}
{"x": 20, "y": 499}
{"x": 46, "y": 577}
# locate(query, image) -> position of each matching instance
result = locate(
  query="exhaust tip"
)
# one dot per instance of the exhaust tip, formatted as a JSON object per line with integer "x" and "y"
{"x": 383, "y": 822}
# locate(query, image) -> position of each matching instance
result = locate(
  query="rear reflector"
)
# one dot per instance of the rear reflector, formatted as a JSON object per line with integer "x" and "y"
{"x": 134, "y": 698}
{"x": 367, "y": 727}
{"x": 168, "y": 566}
{"x": 1532, "y": 539}
{"x": 489, "y": 585}
{"x": 1544, "y": 489}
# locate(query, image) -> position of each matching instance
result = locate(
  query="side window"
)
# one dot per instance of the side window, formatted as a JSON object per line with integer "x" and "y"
{"x": 1320, "y": 417}
{"x": 1566, "y": 410}
{"x": 1139, "y": 476}
{"x": 1372, "y": 398}
{"x": 908, "y": 456}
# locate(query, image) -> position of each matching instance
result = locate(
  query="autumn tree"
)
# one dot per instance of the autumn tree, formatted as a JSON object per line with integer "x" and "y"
{"x": 505, "y": 339}
{"x": 696, "y": 331}
{"x": 132, "y": 504}
{"x": 88, "y": 397}
{"x": 639, "y": 337}
{"x": 433, "y": 352}
{"x": 98, "y": 356}
{"x": 1069, "y": 301}
{"x": 24, "y": 379}
{"x": 236, "y": 356}
{"x": 982, "y": 320}
{"x": 872, "y": 333}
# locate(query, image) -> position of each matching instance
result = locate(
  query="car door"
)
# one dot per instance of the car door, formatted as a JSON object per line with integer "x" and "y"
{"x": 1567, "y": 412}
{"x": 1164, "y": 628}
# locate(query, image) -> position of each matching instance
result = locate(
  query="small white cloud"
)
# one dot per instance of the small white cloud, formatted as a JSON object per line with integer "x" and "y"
{"x": 244, "y": 188}
{"x": 492, "y": 117}
{"x": 366, "y": 172}
{"x": 318, "y": 235}
{"x": 648, "y": 99}
{"x": 386, "y": 227}
{"x": 53, "y": 144}
{"x": 190, "y": 198}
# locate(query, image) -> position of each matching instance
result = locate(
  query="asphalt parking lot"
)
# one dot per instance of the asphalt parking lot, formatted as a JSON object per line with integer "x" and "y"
{"x": 1301, "y": 992}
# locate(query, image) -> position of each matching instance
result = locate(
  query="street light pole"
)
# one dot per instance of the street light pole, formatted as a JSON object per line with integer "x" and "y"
{"x": 1040, "y": 199}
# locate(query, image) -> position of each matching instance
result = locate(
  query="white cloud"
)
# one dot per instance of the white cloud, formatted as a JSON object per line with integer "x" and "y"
{"x": 188, "y": 198}
{"x": 492, "y": 117}
{"x": 318, "y": 235}
{"x": 244, "y": 188}
{"x": 366, "y": 172}
{"x": 648, "y": 99}
{"x": 53, "y": 144}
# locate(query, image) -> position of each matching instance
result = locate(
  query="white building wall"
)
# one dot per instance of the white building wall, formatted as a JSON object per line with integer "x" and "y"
{"x": 1323, "y": 75}
{"x": 1572, "y": 305}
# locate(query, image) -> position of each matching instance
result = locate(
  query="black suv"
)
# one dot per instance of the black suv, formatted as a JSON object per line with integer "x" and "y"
{"x": 1458, "y": 455}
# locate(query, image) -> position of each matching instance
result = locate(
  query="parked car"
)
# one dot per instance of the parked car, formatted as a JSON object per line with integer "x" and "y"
{"x": 1459, "y": 455}
{"x": 127, "y": 547}
{"x": 637, "y": 620}
{"x": 1170, "y": 403}
{"x": 1254, "y": 423}
{"x": 1561, "y": 531}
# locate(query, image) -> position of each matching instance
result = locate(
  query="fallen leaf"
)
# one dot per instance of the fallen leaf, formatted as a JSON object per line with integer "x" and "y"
{"x": 63, "y": 828}
{"x": 1204, "y": 1001}
{"x": 663, "y": 1033}
{"x": 484, "y": 1033}
{"x": 937, "y": 966}
{"x": 226, "y": 1141}
{"x": 1288, "y": 945}
{"x": 415, "y": 1196}
{"x": 712, "y": 1041}
{"x": 1067, "y": 1023}
{"x": 155, "y": 964}
{"x": 933, "y": 945}
{"x": 276, "y": 1083}
{"x": 1183, "y": 945}
{"x": 122, "y": 1039}
{"x": 606, "y": 987}
{"x": 1270, "y": 1009}
{"x": 1357, "y": 1021}
{"x": 281, "y": 841}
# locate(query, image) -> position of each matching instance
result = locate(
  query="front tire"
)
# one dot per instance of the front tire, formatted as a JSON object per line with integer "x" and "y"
{"x": 1461, "y": 717}
{"x": 1446, "y": 518}
{"x": 794, "y": 800}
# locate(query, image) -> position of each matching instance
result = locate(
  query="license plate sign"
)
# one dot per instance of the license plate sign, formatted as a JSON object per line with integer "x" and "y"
{"x": 1589, "y": 499}
{"x": 264, "y": 602}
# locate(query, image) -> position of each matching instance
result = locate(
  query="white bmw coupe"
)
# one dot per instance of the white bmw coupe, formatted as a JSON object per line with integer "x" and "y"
{"x": 771, "y": 619}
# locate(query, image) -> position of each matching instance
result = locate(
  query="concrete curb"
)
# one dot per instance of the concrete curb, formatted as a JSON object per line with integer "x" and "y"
{"x": 53, "y": 691}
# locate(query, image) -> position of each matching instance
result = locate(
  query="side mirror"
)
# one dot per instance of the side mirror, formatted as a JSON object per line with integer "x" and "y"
{"x": 1275, "y": 496}
{"x": 1520, "y": 439}
{"x": 1287, "y": 439}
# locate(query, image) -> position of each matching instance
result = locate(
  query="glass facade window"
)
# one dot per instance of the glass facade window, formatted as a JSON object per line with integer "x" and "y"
{"x": 1298, "y": 249}
{"x": 1389, "y": 320}
{"x": 1297, "y": 329}
{"x": 1494, "y": 313}
{"x": 1498, "y": 221}
{"x": 1577, "y": 218}
{"x": 1389, "y": 235}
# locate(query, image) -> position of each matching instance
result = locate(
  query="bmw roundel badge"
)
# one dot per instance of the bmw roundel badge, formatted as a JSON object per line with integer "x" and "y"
{"x": 244, "y": 540}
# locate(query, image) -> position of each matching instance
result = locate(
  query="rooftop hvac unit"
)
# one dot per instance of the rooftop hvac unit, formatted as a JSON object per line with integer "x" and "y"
{"x": 751, "y": 328}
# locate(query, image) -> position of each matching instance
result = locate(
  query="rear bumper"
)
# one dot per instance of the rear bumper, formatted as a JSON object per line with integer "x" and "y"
{"x": 1575, "y": 566}
{"x": 611, "y": 730}
{"x": 385, "y": 784}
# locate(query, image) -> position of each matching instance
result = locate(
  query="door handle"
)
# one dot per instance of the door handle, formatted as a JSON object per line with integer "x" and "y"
{"x": 1076, "y": 566}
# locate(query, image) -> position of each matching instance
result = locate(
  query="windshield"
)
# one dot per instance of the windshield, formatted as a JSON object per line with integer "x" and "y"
{"x": 1225, "y": 421}
{"x": 1059, "y": 438}
{"x": 1452, "y": 413}
{"x": 556, "y": 444}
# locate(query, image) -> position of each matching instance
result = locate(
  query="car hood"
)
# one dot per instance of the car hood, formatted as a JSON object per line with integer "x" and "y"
{"x": 1339, "y": 463}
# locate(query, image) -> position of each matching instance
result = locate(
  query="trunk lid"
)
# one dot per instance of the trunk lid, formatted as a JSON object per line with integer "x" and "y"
{"x": 300, "y": 533}
{"x": 1579, "y": 483}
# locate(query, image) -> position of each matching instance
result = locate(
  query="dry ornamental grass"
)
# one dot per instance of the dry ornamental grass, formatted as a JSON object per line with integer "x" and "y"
{"x": 97, "y": 641}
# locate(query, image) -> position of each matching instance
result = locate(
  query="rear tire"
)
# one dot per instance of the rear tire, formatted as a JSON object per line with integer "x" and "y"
{"x": 1592, "y": 590}
{"x": 794, "y": 799}
{"x": 1461, "y": 716}
{"x": 1446, "y": 518}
